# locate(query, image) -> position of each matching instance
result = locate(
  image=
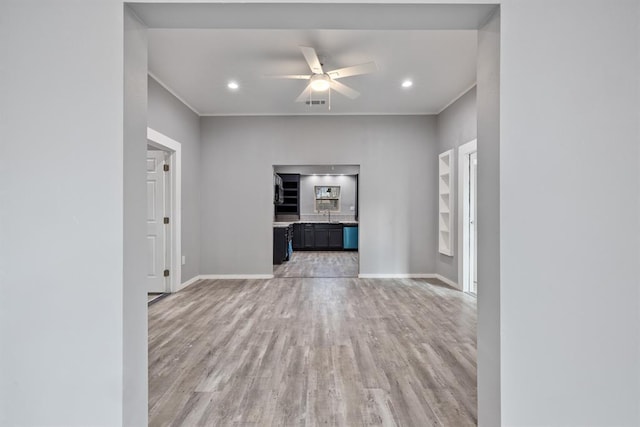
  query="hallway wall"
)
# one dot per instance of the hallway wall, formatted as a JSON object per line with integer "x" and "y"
{"x": 457, "y": 125}
{"x": 171, "y": 117}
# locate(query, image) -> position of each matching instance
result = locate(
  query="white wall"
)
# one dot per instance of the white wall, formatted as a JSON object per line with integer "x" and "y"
{"x": 397, "y": 157}
{"x": 457, "y": 125}
{"x": 347, "y": 186}
{"x": 171, "y": 117}
{"x": 61, "y": 214}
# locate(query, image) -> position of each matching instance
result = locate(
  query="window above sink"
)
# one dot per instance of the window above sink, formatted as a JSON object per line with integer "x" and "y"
{"x": 327, "y": 198}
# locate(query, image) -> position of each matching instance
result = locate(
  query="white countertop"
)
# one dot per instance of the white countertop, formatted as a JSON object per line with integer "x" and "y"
{"x": 286, "y": 224}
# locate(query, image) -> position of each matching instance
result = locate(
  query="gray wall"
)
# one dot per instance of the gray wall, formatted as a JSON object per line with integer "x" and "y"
{"x": 564, "y": 292}
{"x": 489, "y": 190}
{"x": 171, "y": 117}
{"x": 569, "y": 193}
{"x": 397, "y": 157}
{"x": 61, "y": 215}
{"x": 457, "y": 125}
{"x": 135, "y": 358}
{"x": 347, "y": 186}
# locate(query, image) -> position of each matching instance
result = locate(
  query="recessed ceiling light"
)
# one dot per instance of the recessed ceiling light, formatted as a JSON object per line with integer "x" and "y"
{"x": 233, "y": 85}
{"x": 407, "y": 83}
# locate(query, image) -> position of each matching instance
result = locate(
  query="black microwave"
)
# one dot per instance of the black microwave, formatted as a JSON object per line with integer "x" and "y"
{"x": 278, "y": 191}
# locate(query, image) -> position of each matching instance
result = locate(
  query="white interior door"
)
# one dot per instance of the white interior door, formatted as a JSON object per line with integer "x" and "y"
{"x": 156, "y": 229}
{"x": 473, "y": 224}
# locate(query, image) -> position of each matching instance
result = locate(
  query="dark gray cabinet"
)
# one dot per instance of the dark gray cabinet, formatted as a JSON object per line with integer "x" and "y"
{"x": 282, "y": 243}
{"x": 321, "y": 237}
{"x": 335, "y": 237}
{"x": 308, "y": 236}
{"x": 317, "y": 236}
{"x": 290, "y": 203}
{"x": 298, "y": 229}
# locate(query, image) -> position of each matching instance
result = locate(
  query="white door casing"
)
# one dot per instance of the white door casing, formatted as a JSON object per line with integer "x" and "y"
{"x": 464, "y": 252}
{"x": 156, "y": 229}
{"x": 473, "y": 225}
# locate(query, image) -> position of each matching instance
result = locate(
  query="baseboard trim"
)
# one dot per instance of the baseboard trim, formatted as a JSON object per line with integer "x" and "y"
{"x": 235, "y": 276}
{"x": 411, "y": 276}
{"x": 448, "y": 281}
{"x": 360, "y": 276}
{"x": 187, "y": 283}
{"x": 397, "y": 276}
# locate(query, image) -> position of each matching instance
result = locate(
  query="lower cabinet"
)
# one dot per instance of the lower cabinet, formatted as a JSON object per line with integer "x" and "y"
{"x": 282, "y": 244}
{"x": 317, "y": 236}
{"x": 298, "y": 229}
{"x": 308, "y": 236}
{"x": 335, "y": 238}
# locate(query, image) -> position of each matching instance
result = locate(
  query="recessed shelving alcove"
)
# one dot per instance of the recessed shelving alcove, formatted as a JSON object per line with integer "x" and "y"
{"x": 445, "y": 203}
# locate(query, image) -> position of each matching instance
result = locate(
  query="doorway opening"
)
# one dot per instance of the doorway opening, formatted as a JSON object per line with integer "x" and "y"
{"x": 467, "y": 216}
{"x": 316, "y": 221}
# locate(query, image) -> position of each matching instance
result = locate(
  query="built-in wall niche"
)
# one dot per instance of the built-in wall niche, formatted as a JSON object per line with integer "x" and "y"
{"x": 445, "y": 203}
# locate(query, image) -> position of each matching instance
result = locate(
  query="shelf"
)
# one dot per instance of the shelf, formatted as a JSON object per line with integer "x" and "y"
{"x": 291, "y": 199}
{"x": 445, "y": 206}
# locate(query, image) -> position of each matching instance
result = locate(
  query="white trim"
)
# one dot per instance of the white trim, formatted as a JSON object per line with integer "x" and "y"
{"x": 448, "y": 281}
{"x": 173, "y": 92}
{"x": 457, "y": 97}
{"x": 235, "y": 276}
{"x": 411, "y": 276}
{"x": 354, "y": 113}
{"x": 163, "y": 142}
{"x": 397, "y": 276}
{"x": 188, "y": 282}
{"x": 463, "y": 211}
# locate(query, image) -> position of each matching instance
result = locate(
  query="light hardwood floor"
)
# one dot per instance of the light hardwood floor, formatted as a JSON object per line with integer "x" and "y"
{"x": 319, "y": 264}
{"x": 322, "y": 351}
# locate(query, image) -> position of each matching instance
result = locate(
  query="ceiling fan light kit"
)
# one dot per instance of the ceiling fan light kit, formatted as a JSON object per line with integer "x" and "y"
{"x": 319, "y": 82}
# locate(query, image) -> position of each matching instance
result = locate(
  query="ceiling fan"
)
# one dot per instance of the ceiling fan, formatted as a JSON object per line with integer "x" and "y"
{"x": 319, "y": 81}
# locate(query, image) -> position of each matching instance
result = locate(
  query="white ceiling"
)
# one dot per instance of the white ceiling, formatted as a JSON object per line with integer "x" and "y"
{"x": 196, "y": 64}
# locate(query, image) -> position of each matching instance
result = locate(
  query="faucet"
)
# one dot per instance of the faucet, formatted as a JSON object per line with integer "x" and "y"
{"x": 329, "y": 214}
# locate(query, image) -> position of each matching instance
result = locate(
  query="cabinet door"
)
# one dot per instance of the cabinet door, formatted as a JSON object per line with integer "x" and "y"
{"x": 322, "y": 238}
{"x": 335, "y": 238}
{"x": 279, "y": 245}
{"x": 297, "y": 236}
{"x": 308, "y": 237}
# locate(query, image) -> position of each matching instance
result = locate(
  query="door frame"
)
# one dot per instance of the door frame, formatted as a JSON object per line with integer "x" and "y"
{"x": 463, "y": 212}
{"x": 174, "y": 150}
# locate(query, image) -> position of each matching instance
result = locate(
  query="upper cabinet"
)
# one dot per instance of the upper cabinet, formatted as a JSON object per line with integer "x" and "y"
{"x": 291, "y": 195}
{"x": 445, "y": 203}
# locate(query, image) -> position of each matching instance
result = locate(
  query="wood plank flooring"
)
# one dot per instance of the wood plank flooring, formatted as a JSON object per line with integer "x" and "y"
{"x": 311, "y": 352}
{"x": 319, "y": 264}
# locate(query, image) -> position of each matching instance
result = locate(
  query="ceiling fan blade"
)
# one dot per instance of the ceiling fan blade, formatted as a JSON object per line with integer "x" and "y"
{"x": 305, "y": 94}
{"x": 312, "y": 59}
{"x": 343, "y": 89}
{"x": 369, "y": 67}
{"x": 290, "y": 76}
